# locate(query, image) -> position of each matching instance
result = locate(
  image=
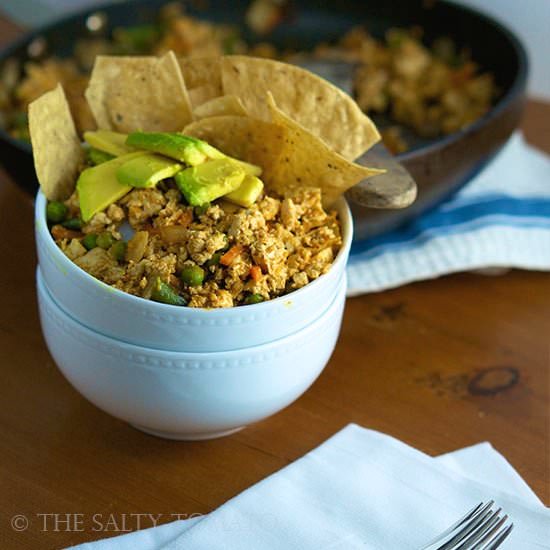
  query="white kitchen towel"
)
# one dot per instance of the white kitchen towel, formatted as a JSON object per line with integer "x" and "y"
{"x": 360, "y": 489}
{"x": 501, "y": 218}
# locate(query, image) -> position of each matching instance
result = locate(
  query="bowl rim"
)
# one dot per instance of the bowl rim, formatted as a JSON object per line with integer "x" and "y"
{"x": 41, "y": 226}
{"x": 185, "y": 360}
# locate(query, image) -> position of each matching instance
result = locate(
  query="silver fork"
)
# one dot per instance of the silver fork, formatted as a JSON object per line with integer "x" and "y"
{"x": 482, "y": 528}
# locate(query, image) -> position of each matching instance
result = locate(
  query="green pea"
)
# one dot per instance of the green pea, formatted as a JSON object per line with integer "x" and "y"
{"x": 192, "y": 275}
{"x": 95, "y": 156}
{"x": 73, "y": 223}
{"x": 56, "y": 212}
{"x": 200, "y": 210}
{"x": 214, "y": 260}
{"x": 89, "y": 241}
{"x": 164, "y": 293}
{"x": 118, "y": 250}
{"x": 253, "y": 299}
{"x": 105, "y": 240}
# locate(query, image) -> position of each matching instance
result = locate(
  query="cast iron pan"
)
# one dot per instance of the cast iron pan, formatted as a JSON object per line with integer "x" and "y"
{"x": 439, "y": 167}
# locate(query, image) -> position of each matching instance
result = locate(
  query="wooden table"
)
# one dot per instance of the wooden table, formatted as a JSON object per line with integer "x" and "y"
{"x": 418, "y": 363}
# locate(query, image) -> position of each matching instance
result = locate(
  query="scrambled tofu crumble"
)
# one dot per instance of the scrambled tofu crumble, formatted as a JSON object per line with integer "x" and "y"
{"x": 218, "y": 255}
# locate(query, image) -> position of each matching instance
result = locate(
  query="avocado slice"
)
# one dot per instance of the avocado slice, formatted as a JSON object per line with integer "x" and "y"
{"x": 98, "y": 187}
{"x": 247, "y": 193}
{"x": 147, "y": 170}
{"x": 95, "y": 156}
{"x": 186, "y": 149}
{"x": 210, "y": 180}
{"x": 109, "y": 142}
{"x": 250, "y": 169}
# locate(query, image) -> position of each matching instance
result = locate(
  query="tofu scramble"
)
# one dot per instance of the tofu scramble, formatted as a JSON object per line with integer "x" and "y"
{"x": 218, "y": 255}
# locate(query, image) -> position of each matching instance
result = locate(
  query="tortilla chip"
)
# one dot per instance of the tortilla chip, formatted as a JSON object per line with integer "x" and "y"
{"x": 241, "y": 137}
{"x": 305, "y": 160}
{"x": 202, "y": 94}
{"x": 55, "y": 144}
{"x": 138, "y": 93}
{"x": 220, "y": 106}
{"x": 199, "y": 71}
{"x": 290, "y": 156}
{"x": 314, "y": 103}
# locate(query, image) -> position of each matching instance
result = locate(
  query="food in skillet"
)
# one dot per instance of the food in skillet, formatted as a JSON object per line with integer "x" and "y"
{"x": 220, "y": 203}
{"x": 433, "y": 89}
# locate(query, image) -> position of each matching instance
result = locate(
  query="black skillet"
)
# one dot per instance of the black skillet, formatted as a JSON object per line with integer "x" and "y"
{"x": 439, "y": 167}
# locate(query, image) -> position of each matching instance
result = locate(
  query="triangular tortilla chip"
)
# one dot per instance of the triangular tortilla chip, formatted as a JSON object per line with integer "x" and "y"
{"x": 220, "y": 106}
{"x": 198, "y": 71}
{"x": 241, "y": 137}
{"x": 290, "y": 156}
{"x": 305, "y": 160}
{"x": 127, "y": 94}
{"x": 317, "y": 105}
{"x": 202, "y": 94}
{"x": 55, "y": 144}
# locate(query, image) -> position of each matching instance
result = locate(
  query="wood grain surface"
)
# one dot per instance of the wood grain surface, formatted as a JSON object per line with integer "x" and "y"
{"x": 419, "y": 363}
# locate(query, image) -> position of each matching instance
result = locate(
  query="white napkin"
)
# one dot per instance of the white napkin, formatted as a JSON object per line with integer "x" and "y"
{"x": 360, "y": 489}
{"x": 501, "y": 218}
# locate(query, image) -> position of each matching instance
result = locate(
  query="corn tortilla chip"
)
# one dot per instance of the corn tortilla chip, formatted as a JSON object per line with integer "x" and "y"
{"x": 138, "y": 93}
{"x": 56, "y": 146}
{"x": 317, "y": 105}
{"x": 241, "y": 137}
{"x": 198, "y": 71}
{"x": 305, "y": 160}
{"x": 291, "y": 157}
{"x": 202, "y": 94}
{"x": 220, "y": 106}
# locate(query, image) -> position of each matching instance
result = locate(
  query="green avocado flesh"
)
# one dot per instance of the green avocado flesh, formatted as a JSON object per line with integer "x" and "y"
{"x": 247, "y": 193}
{"x": 211, "y": 175}
{"x": 95, "y": 156}
{"x": 250, "y": 169}
{"x": 210, "y": 180}
{"x": 147, "y": 170}
{"x": 186, "y": 149}
{"x": 109, "y": 142}
{"x": 98, "y": 187}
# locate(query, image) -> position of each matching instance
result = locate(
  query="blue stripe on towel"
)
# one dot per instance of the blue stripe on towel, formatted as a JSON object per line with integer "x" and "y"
{"x": 494, "y": 210}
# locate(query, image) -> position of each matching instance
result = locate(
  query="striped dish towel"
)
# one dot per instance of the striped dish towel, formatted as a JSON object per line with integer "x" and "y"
{"x": 499, "y": 219}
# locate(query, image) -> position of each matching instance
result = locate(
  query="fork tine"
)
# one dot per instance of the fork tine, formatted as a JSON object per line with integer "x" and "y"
{"x": 492, "y": 530}
{"x": 499, "y": 539}
{"x": 481, "y": 528}
{"x": 454, "y": 526}
{"x": 484, "y": 531}
{"x": 470, "y": 527}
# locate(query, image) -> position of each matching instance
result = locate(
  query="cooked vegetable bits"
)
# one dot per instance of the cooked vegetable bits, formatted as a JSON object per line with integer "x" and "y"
{"x": 225, "y": 210}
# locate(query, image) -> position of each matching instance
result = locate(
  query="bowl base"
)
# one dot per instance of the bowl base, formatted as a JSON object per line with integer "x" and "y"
{"x": 187, "y": 436}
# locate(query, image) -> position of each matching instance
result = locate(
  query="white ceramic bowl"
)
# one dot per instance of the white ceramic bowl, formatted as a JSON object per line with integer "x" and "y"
{"x": 188, "y": 395}
{"x": 150, "y": 324}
